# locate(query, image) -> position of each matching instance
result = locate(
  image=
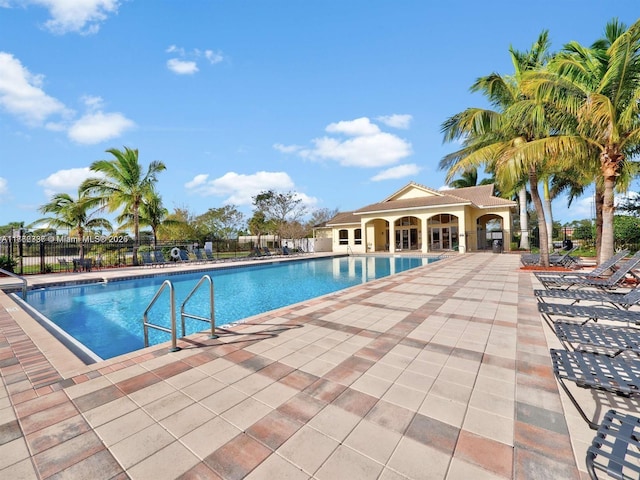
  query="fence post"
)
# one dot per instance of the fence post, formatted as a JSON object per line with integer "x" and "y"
{"x": 20, "y": 251}
{"x": 42, "y": 262}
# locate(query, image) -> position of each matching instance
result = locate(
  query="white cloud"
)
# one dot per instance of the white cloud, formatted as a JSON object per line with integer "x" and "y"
{"x": 357, "y": 127}
{"x": 82, "y": 16}
{"x": 286, "y": 148}
{"x": 21, "y": 93}
{"x": 197, "y": 181}
{"x": 97, "y": 127}
{"x": 307, "y": 200}
{"x": 399, "y": 171}
{"x": 366, "y": 147}
{"x": 92, "y": 102}
{"x": 175, "y": 49}
{"x": 213, "y": 57}
{"x": 182, "y": 67}
{"x": 4, "y": 186}
{"x": 366, "y": 151}
{"x": 239, "y": 188}
{"x": 396, "y": 120}
{"x": 64, "y": 181}
{"x": 186, "y": 62}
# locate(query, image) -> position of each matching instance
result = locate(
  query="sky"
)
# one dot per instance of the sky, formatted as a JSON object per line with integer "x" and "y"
{"x": 339, "y": 101}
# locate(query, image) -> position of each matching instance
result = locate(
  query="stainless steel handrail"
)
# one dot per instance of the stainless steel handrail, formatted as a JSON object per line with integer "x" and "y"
{"x": 212, "y": 318}
{"x": 145, "y": 318}
{"x": 22, "y": 279}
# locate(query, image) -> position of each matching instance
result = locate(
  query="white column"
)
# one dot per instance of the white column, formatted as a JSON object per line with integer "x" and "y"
{"x": 392, "y": 236}
{"x": 425, "y": 237}
{"x": 462, "y": 232}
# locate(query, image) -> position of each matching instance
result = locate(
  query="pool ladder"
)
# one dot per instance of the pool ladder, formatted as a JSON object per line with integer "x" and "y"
{"x": 172, "y": 305}
{"x": 22, "y": 280}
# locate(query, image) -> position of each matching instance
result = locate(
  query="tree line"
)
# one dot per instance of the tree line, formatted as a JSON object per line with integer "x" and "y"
{"x": 121, "y": 185}
{"x": 567, "y": 121}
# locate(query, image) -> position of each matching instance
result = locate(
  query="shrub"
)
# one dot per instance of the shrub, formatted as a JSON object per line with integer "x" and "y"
{"x": 7, "y": 263}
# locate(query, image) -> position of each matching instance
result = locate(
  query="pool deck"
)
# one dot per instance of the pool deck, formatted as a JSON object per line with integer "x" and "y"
{"x": 439, "y": 372}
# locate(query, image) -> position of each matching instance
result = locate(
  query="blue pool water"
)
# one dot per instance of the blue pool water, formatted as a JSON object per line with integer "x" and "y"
{"x": 107, "y": 317}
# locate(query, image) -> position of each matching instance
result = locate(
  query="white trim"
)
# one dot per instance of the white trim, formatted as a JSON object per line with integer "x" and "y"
{"x": 424, "y": 207}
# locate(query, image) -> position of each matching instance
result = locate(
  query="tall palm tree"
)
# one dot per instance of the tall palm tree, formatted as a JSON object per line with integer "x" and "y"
{"x": 495, "y": 137}
{"x": 469, "y": 178}
{"x": 153, "y": 214}
{"x": 73, "y": 214}
{"x": 124, "y": 184}
{"x": 598, "y": 89}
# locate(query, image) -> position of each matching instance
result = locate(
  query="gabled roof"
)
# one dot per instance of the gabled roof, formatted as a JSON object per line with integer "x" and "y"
{"x": 342, "y": 218}
{"x": 413, "y": 189}
{"x": 415, "y": 196}
{"x": 481, "y": 196}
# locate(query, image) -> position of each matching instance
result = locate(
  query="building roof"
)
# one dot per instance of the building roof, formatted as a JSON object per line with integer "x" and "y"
{"x": 416, "y": 196}
{"x": 480, "y": 197}
{"x": 343, "y": 218}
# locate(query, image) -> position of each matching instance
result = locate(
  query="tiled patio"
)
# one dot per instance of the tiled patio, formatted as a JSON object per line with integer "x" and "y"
{"x": 439, "y": 372}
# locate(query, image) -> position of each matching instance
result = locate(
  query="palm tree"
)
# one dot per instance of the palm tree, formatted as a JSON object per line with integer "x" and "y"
{"x": 73, "y": 214}
{"x": 124, "y": 184}
{"x": 469, "y": 178}
{"x": 152, "y": 213}
{"x": 495, "y": 138}
{"x": 597, "y": 88}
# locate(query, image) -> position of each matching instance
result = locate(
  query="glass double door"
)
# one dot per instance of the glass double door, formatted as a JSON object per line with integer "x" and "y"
{"x": 443, "y": 238}
{"x": 407, "y": 239}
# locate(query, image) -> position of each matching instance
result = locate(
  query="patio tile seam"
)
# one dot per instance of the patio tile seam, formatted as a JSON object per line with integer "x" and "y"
{"x": 524, "y": 423}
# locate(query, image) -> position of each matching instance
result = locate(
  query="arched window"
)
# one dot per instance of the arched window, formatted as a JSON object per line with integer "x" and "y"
{"x": 343, "y": 236}
{"x": 358, "y": 236}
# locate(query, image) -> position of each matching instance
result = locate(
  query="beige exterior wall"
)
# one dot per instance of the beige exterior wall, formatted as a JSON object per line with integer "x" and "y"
{"x": 379, "y": 231}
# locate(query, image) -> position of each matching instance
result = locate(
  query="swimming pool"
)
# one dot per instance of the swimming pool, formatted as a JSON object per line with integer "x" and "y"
{"x": 107, "y": 317}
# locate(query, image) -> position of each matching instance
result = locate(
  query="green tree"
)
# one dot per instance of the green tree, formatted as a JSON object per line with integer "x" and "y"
{"x": 597, "y": 90}
{"x": 152, "y": 214}
{"x": 259, "y": 225}
{"x": 582, "y": 230}
{"x": 469, "y": 178}
{"x": 11, "y": 228}
{"x": 495, "y": 138}
{"x": 223, "y": 222}
{"x": 180, "y": 224}
{"x": 124, "y": 184}
{"x": 627, "y": 230}
{"x": 73, "y": 214}
{"x": 279, "y": 208}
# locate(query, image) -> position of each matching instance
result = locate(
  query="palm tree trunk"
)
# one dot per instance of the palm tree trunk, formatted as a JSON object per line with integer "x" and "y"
{"x": 610, "y": 161}
{"x": 81, "y": 237}
{"x": 542, "y": 225}
{"x": 608, "y": 210}
{"x": 598, "y": 202}
{"x": 524, "y": 219}
{"x": 548, "y": 211}
{"x": 136, "y": 234}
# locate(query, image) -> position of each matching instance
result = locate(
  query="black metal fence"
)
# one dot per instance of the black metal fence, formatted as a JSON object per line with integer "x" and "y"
{"x": 47, "y": 254}
{"x": 583, "y": 243}
{"x": 31, "y": 254}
